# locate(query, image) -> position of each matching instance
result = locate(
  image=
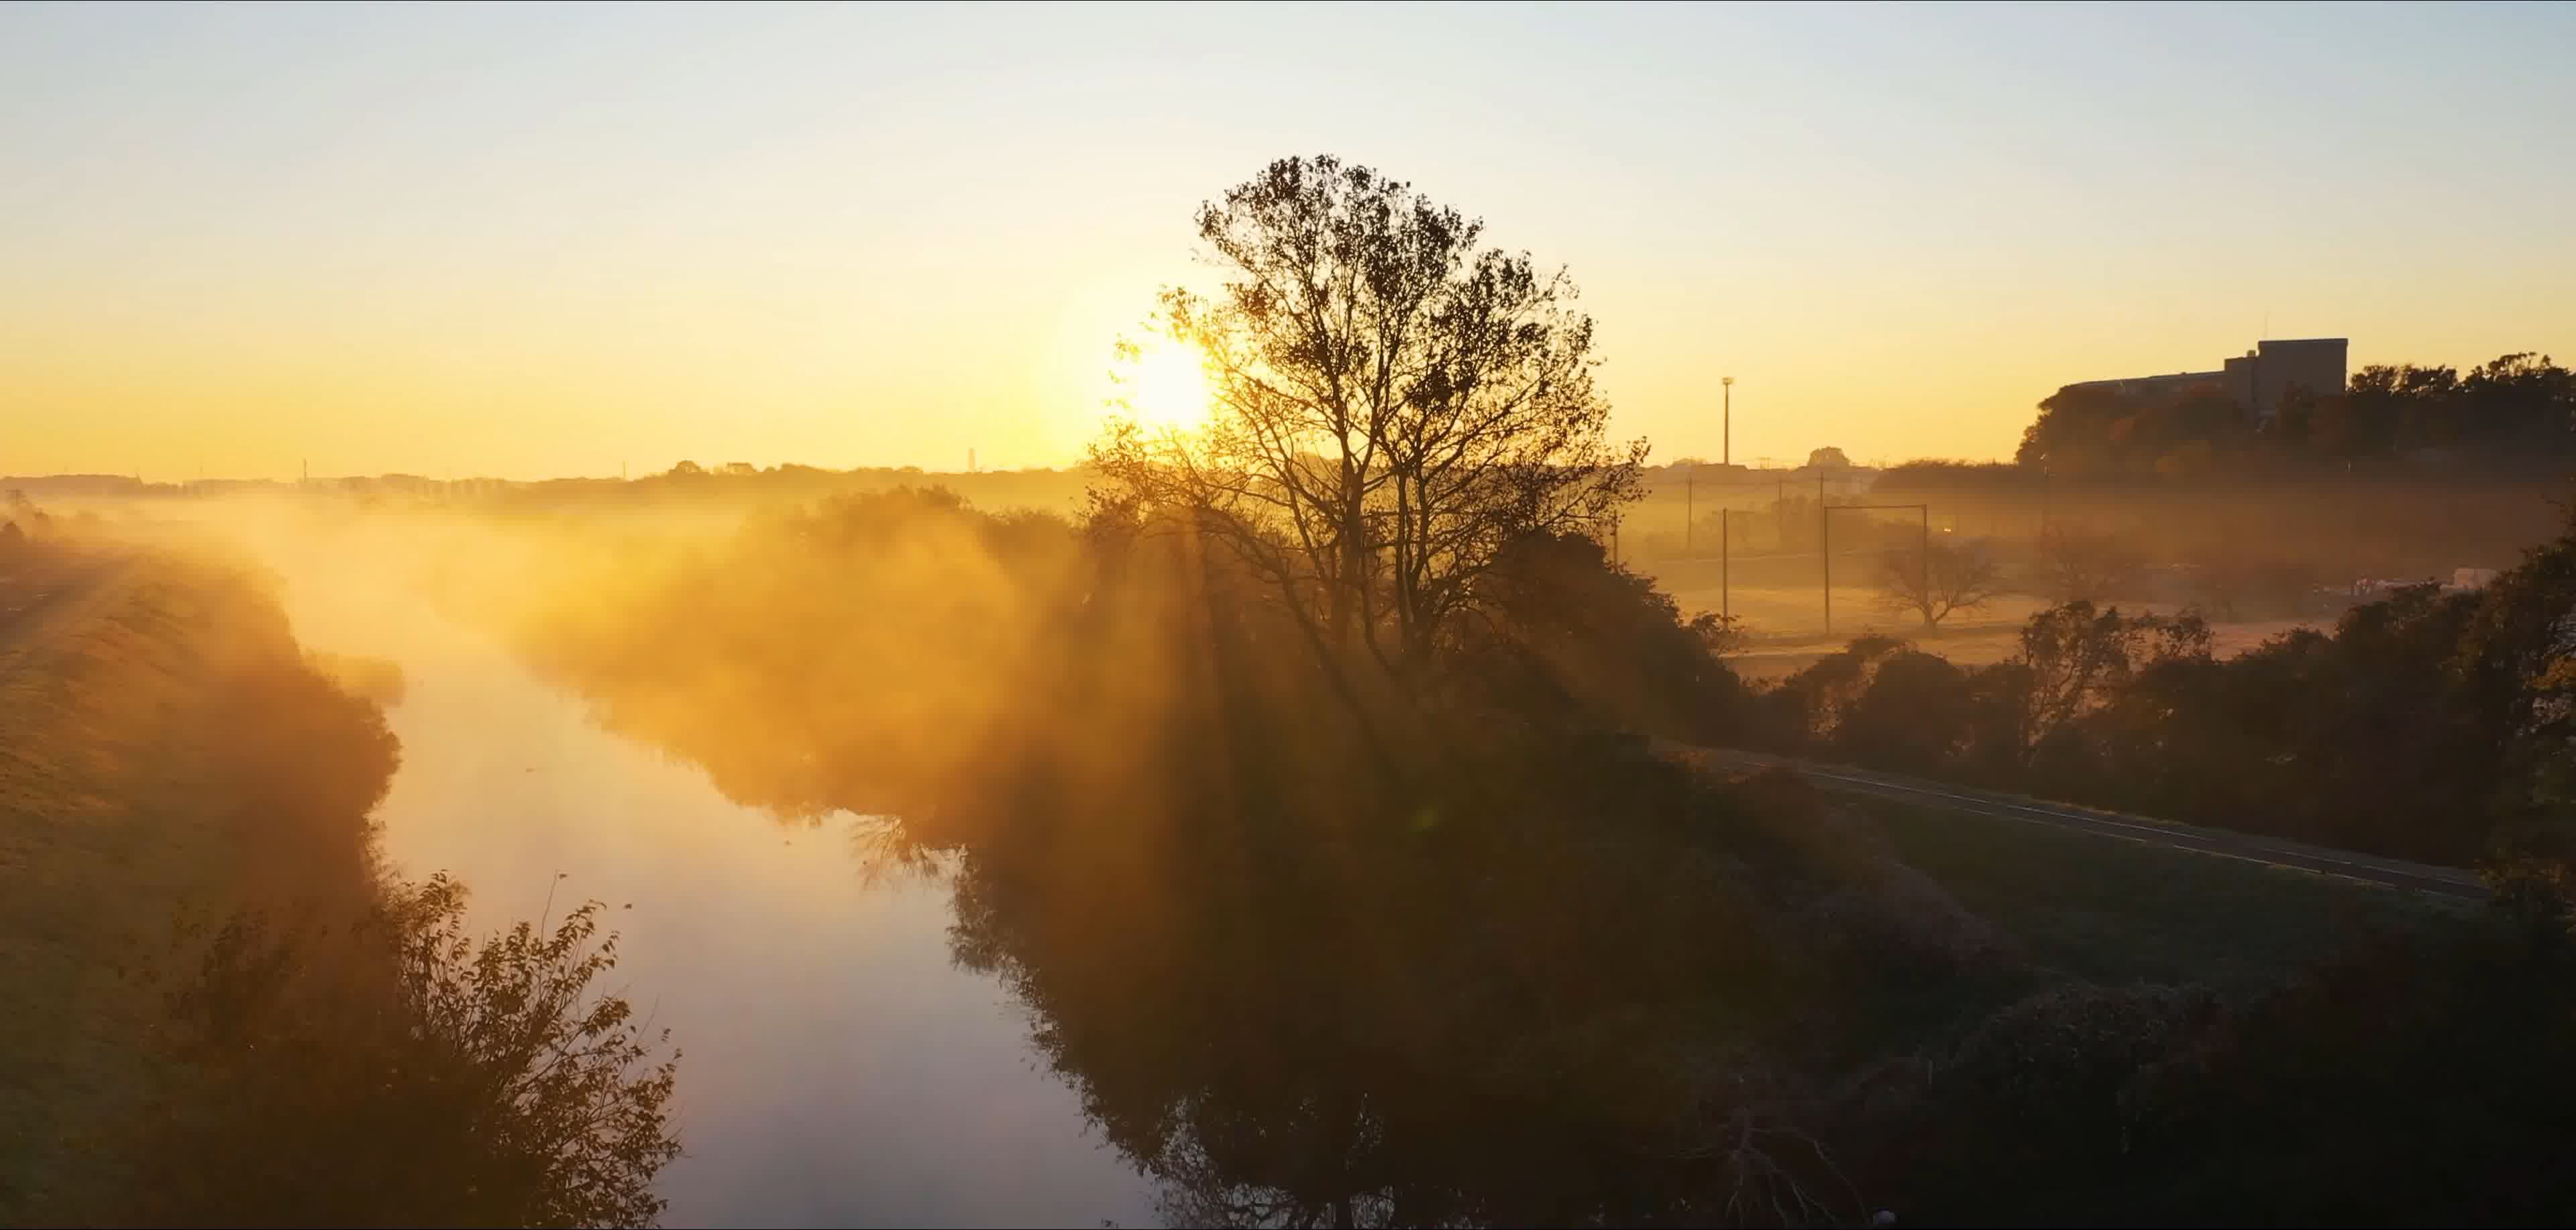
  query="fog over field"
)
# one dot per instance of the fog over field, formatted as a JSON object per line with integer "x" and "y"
{"x": 1267, "y": 616}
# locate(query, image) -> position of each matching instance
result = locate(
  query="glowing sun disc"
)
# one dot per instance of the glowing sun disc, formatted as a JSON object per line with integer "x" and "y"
{"x": 1165, "y": 388}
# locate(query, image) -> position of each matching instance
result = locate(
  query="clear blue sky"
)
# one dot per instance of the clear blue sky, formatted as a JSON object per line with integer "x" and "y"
{"x": 531, "y": 240}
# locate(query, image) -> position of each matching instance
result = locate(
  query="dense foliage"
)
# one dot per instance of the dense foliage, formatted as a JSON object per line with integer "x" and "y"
{"x": 2415, "y": 728}
{"x": 2512, "y": 409}
{"x": 332, "y": 1049}
{"x": 1391, "y": 408}
{"x": 400, "y": 1073}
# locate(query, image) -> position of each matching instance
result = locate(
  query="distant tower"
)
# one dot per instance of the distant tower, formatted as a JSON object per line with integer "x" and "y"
{"x": 970, "y": 461}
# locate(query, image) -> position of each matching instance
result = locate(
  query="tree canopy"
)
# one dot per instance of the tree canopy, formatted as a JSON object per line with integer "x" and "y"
{"x": 1392, "y": 406}
{"x": 2520, "y": 404}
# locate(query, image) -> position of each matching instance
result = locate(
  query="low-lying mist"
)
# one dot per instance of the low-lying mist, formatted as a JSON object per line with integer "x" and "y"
{"x": 1310, "y": 947}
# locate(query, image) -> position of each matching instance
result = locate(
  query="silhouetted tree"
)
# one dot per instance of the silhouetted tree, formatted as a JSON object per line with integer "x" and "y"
{"x": 1391, "y": 408}
{"x": 1933, "y": 579}
{"x": 1913, "y": 716}
{"x": 2077, "y": 655}
{"x": 1563, "y": 627}
{"x": 1807, "y": 708}
{"x": 2069, "y": 434}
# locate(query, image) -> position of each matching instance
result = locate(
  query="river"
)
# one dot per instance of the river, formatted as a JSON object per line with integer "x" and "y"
{"x": 839, "y": 1068}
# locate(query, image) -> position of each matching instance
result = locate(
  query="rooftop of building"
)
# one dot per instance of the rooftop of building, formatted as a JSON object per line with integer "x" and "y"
{"x": 2134, "y": 379}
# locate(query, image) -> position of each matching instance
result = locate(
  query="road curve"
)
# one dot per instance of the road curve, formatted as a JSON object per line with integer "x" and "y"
{"x": 2450, "y": 882}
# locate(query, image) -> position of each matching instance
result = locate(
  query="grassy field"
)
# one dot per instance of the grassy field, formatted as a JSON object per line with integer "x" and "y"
{"x": 2111, "y": 910}
{"x": 1784, "y": 623}
{"x": 136, "y": 745}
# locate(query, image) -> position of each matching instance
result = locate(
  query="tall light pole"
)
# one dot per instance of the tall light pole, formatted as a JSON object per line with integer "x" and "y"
{"x": 1726, "y": 443}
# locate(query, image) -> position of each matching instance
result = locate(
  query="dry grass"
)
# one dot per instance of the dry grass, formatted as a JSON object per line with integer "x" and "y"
{"x": 1785, "y": 632}
{"x": 2112, "y": 911}
{"x": 117, "y": 819}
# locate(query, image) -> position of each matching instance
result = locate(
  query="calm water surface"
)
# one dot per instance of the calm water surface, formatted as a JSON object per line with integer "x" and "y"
{"x": 839, "y": 1069}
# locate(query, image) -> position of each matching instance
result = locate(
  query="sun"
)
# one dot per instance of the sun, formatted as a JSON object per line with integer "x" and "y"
{"x": 1165, "y": 387}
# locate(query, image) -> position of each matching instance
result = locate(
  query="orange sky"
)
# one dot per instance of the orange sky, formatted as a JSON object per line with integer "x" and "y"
{"x": 539, "y": 241}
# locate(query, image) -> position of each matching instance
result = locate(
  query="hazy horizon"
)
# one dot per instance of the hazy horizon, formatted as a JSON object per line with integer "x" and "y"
{"x": 541, "y": 241}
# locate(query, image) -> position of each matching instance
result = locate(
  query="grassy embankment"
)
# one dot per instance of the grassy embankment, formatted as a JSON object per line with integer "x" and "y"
{"x": 2113, "y": 911}
{"x": 166, "y": 754}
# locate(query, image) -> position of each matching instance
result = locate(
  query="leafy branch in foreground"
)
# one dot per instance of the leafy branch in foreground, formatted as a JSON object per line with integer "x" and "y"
{"x": 401, "y": 1072}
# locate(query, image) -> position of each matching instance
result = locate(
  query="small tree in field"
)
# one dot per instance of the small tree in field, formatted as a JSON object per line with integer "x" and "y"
{"x": 1937, "y": 579}
{"x": 1391, "y": 407}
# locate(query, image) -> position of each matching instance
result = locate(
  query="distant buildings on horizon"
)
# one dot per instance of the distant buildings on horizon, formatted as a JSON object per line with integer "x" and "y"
{"x": 2257, "y": 381}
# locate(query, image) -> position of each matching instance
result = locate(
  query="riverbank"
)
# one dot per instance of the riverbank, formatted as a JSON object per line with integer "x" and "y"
{"x": 166, "y": 754}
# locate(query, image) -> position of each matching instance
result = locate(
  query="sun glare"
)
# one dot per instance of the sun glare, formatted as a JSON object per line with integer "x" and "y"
{"x": 1165, "y": 388}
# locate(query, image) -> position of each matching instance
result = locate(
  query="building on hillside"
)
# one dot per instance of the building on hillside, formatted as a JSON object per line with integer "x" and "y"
{"x": 2258, "y": 381}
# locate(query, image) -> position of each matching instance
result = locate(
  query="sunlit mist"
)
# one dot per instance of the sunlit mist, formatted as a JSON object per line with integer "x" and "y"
{"x": 1481, "y": 615}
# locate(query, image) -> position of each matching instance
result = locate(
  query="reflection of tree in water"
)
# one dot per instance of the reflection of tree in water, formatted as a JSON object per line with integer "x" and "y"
{"x": 1431, "y": 1035}
{"x": 1309, "y": 953}
{"x": 1232, "y": 1042}
{"x": 1530, "y": 979}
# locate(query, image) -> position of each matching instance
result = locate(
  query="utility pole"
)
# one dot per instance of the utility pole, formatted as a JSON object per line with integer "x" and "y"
{"x": 1726, "y": 444}
{"x": 1690, "y": 516}
{"x": 1725, "y": 591}
{"x": 1825, "y": 551}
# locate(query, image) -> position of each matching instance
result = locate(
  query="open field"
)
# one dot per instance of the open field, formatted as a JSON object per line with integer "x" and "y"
{"x": 1785, "y": 632}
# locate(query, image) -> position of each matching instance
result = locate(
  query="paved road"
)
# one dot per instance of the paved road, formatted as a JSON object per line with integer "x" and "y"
{"x": 2449, "y": 882}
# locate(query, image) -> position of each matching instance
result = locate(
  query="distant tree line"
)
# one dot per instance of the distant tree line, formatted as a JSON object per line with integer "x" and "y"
{"x": 2514, "y": 408}
{"x": 2413, "y": 729}
{"x": 2511, "y": 415}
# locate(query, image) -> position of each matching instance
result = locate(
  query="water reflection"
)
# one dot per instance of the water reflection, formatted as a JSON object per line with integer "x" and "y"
{"x": 1305, "y": 955}
{"x": 841, "y": 1069}
{"x": 1299, "y": 954}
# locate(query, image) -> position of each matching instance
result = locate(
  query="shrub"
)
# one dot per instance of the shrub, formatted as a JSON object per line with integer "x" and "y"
{"x": 398, "y": 1072}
